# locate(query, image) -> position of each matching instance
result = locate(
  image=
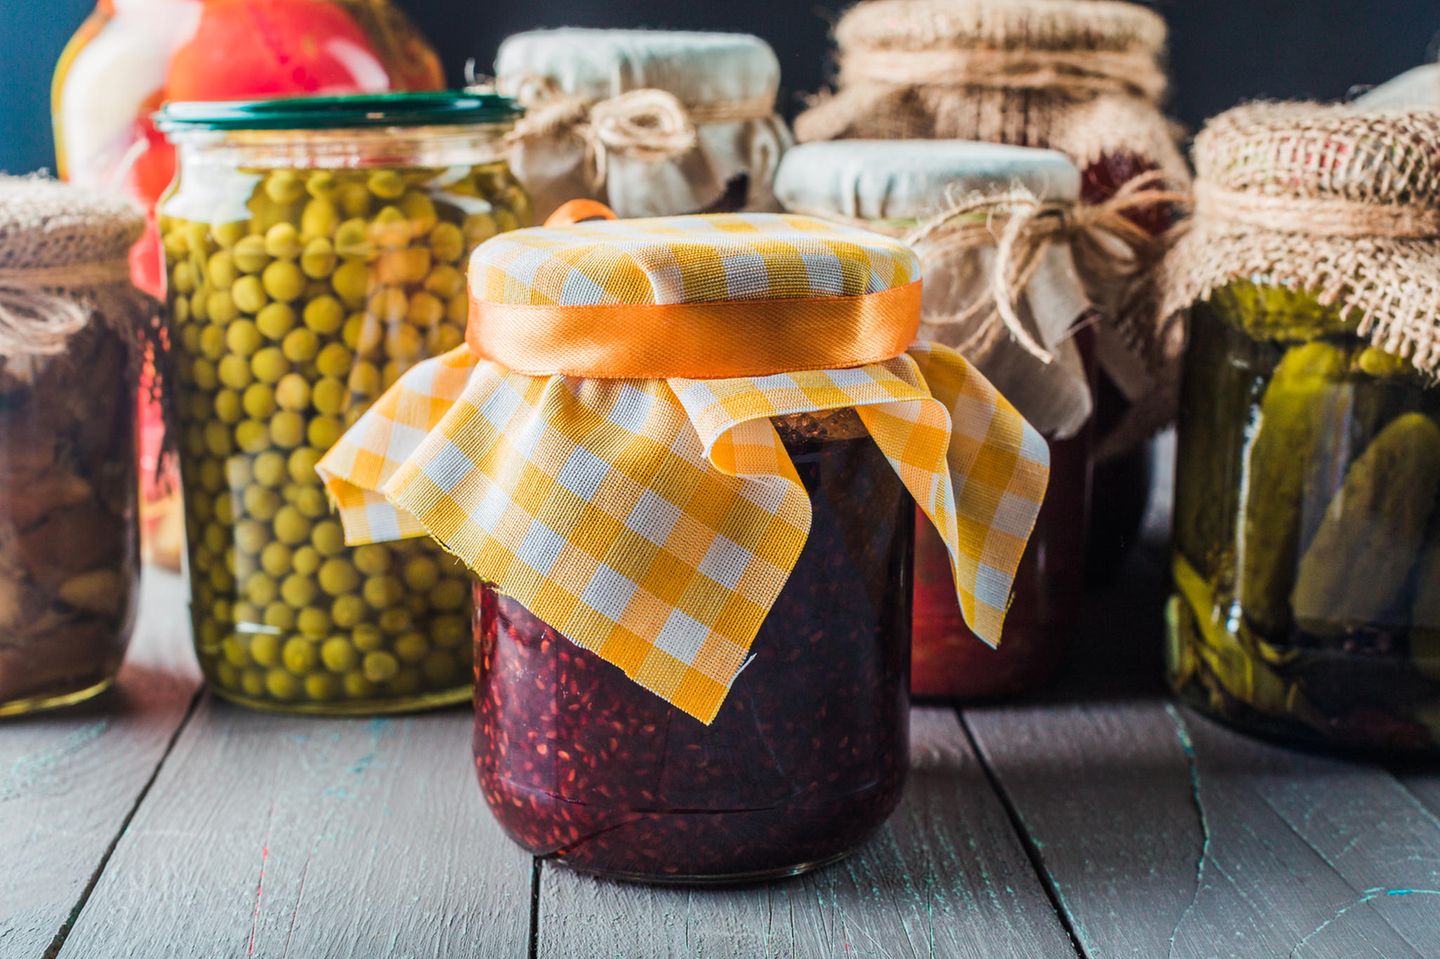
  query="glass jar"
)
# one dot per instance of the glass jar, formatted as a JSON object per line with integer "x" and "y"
{"x": 948, "y": 661}
{"x": 69, "y": 353}
{"x": 1305, "y": 560}
{"x": 805, "y": 761}
{"x": 316, "y": 249}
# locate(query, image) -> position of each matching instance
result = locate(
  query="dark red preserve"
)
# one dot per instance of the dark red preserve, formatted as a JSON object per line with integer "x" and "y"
{"x": 804, "y": 761}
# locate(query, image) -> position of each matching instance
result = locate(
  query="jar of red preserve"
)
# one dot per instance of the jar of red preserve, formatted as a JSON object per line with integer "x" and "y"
{"x": 678, "y": 455}
{"x": 909, "y": 189}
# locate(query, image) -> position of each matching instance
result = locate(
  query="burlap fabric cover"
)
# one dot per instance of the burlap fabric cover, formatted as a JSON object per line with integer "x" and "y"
{"x": 63, "y": 265}
{"x": 894, "y": 187}
{"x": 1080, "y": 76}
{"x": 653, "y": 123}
{"x": 1336, "y": 201}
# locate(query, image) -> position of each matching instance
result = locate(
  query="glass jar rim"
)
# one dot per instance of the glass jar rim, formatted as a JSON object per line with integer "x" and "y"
{"x": 446, "y": 107}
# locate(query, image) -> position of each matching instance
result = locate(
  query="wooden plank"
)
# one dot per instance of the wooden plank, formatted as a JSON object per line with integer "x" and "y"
{"x": 1164, "y": 834}
{"x": 69, "y": 779}
{"x": 270, "y": 835}
{"x": 945, "y": 877}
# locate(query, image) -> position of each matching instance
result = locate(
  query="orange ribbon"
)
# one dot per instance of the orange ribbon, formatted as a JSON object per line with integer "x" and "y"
{"x": 696, "y": 341}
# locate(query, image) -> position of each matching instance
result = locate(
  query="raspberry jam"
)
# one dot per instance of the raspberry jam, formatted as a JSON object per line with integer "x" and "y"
{"x": 808, "y": 754}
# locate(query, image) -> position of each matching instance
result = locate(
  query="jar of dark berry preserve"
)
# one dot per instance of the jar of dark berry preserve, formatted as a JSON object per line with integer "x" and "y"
{"x": 679, "y": 456}
{"x": 806, "y": 759}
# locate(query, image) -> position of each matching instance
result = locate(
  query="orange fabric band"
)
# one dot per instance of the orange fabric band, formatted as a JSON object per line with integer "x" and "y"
{"x": 696, "y": 341}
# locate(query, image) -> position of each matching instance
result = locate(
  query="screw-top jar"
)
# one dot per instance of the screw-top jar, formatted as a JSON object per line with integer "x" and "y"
{"x": 1307, "y": 540}
{"x": 679, "y": 457}
{"x": 73, "y": 332}
{"x": 316, "y": 250}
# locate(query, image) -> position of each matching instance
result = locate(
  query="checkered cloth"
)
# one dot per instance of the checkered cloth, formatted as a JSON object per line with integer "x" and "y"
{"x": 655, "y": 522}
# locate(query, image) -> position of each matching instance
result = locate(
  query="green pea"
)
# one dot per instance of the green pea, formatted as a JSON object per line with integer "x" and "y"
{"x": 260, "y": 589}
{"x": 411, "y": 647}
{"x": 234, "y": 651}
{"x": 439, "y": 668}
{"x": 313, "y": 622}
{"x": 365, "y": 379}
{"x": 383, "y": 591}
{"x": 334, "y": 360}
{"x": 328, "y": 538}
{"x": 321, "y": 183}
{"x": 323, "y": 432}
{"x": 329, "y": 396}
{"x": 248, "y": 295}
{"x": 479, "y": 227}
{"x": 220, "y": 270}
{"x": 306, "y": 560}
{"x": 251, "y": 436}
{"x": 238, "y": 473}
{"x": 252, "y": 682}
{"x": 298, "y": 590}
{"x": 261, "y": 503}
{"x": 284, "y": 186}
{"x": 264, "y": 649}
{"x": 319, "y": 218}
{"x": 275, "y": 320}
{"x": 301, "y": 466}
{"x": 390, "y": 229}
{"x": 351, "y": 282}
{"x": 420, "y": 210}
{"x": 337, "y": 576}
{"x": 386, "y": 184}
{"x": 421, "y": 574}
{"x": 269, "y": 365}
{"x": 447, "y": 243}
{"x": 291, "y": 528}
{"x": 283, "y": 281}
{"x": 395, "y": 620}
{"x": 287, "y": 429}
{"x": 275, "y": 559}
{"x": 380, "y": 667}
{"x": 279, "y": 616}
{"x": 338, "y": 655}
{"x": 234, "y": 370}
{"x": 259, "y": 401}
{"x": 269, "y": 469}
{"x": 321, "y": 688}
{"x": 292, "y": 392}
{"x": 352, "y": 238}
{"x": 227, "y": 406}
{"x": 242, "y": 337}
{"x": 250, "y": 255}
{"x": 281, "y": 685}
{"x": 357, "y": 686}
{"x": 182, "y": 278}
{"x": 300, "y": 345}
{"x": 218, "y": 441}
{"x": 348, "y": 610}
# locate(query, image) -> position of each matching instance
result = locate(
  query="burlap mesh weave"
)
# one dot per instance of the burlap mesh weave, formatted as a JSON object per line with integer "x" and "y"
{"x": 1080, "y": 76}
{"x": 1331, "y": 200}
{"x": 63, "y": 263}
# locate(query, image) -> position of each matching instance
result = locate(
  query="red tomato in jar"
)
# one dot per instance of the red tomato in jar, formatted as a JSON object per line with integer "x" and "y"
{"x": 269, "y": 48}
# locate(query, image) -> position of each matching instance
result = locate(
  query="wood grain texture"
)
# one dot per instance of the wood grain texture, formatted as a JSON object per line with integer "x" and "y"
{"x": 944, "y": 878}
{"x": 1163, "y": 834}
{"x": 269, "y": 835}
{"x": 70, "y": 778}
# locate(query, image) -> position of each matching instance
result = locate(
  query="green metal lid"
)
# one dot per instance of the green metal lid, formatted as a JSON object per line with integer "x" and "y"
{"x": 443, "y": 108}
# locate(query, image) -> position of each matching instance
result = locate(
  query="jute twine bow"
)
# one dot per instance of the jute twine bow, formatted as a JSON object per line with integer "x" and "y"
{"x": 648, "y": 124}
{"x": 1110, "y": 249}
{"x": 42, "y": 307}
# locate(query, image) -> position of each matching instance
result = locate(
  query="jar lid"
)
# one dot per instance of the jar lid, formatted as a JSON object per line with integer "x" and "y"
{"x": 699, "y": 297}
{"x": 46, "y": 224}
{"x": 440, "y": 108}
{"x": 697, "y": 68}
{"x": 880, "y": 180}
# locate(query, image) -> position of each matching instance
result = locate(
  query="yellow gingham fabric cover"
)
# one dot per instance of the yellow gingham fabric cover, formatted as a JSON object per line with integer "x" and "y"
{"x": 656, "y": 521}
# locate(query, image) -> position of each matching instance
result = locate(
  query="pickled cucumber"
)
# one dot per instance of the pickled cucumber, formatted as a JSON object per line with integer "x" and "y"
{"x": 1425, "y": 609}
{"x": 1362, "y": 555}
{"x": 1296, "y": 414}
{"x": 1269, "y": 312}
{"x": 289, "y": 325}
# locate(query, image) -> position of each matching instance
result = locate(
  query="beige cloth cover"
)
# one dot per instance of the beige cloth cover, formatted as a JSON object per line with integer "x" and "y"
{"x": 651, "y": 122}
{"x": 1081, "y": 76}
{"x": 893, "y": 186}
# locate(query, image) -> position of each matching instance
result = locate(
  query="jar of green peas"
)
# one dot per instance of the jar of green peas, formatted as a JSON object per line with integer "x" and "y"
{"x": 315, "y": 250}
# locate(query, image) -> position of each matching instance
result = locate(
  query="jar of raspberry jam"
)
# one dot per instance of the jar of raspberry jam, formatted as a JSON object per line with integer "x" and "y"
{"x": 806, "y": 759}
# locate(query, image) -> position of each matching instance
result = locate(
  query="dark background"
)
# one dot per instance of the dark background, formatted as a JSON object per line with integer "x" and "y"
{"x": 1223, "y": 51}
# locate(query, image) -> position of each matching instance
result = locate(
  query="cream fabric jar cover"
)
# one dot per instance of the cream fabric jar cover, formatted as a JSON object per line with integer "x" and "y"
{"x": 653, "y": 123}
{"x": 893, "y": 186}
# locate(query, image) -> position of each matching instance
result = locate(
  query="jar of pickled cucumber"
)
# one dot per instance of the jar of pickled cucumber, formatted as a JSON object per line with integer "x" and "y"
{"x": 1307, "y": 535}
{"x": 316, "y": 250}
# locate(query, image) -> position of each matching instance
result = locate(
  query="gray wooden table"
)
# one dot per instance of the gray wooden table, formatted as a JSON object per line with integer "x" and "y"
{"x": 1099, "y": 820}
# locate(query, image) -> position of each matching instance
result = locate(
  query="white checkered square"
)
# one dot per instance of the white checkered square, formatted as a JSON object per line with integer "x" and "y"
{"x": 541, "y": 548}
{"x": 725, "y": 562}
{"x": 653, "y": 518}
{"x": 608, "y": 593}
{"x": 682, "y": 637}
{"x": 583, "y": 473}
